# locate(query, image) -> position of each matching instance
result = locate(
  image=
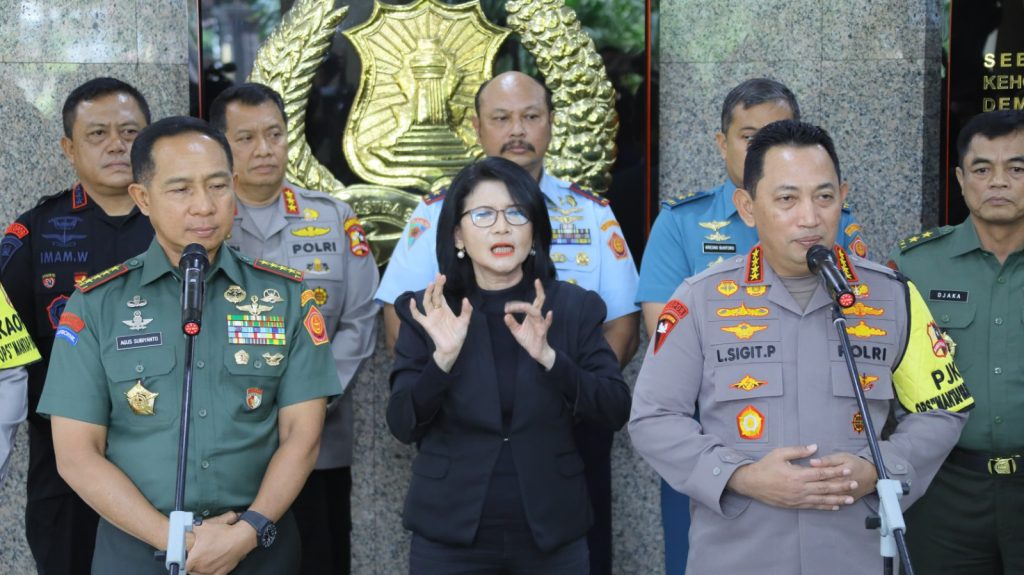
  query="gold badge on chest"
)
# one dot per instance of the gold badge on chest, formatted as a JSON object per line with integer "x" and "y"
{"x": 141, "y": 400}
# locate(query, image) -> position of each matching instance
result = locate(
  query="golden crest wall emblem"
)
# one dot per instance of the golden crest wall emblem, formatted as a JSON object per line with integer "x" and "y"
{"x": 410, "y": 123}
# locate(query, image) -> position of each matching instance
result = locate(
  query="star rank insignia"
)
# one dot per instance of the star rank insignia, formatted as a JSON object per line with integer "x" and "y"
{"x": 141, "y": 400}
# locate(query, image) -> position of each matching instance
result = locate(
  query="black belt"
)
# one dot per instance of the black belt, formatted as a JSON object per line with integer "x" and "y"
{"x": 984, "y": 462}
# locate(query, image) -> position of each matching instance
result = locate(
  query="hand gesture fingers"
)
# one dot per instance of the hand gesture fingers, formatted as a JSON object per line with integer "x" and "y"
{"x": 532, "y": 333}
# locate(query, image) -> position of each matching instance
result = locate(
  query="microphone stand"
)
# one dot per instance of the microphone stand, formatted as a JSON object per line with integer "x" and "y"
{"x": 181, "y": 521}
{"x": 889, "y": 522}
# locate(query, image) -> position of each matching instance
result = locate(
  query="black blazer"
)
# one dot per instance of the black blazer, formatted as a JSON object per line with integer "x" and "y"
{"x": 460, "y": 441}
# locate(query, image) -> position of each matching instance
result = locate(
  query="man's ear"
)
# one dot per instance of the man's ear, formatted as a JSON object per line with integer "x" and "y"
{"x": 475, "y": 119}
{"x": 720, "y": 140}
{"x": 844, "y": 189}
{"x": 960, "y": 178}
{"x": 744, "y": 206}
{"x": 68, "y": 147}
{"x": 140, "y": 195}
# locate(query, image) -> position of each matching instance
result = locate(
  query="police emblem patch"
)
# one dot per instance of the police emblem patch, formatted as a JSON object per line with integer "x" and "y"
{"x": 357, "y": 243}
{"x": 750, "y": 423}
{"x": 49, "y": 280}
{"x": 671, "y": 315}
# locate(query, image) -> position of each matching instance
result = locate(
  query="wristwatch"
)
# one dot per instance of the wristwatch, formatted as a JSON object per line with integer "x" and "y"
{"x": 266, "y": 531}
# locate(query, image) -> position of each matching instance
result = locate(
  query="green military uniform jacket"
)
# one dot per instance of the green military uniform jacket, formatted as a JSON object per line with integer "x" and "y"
{"x": 118, "y": 361}
{"x": 980, "y": 304}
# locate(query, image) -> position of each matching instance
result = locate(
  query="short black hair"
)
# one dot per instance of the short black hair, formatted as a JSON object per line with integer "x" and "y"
{"x": 548, "y": 96}
{"x": 784, "y": 133}
{"x": 250, "y": 94}
{"x": 754, "y": 92}
{"x": 524, "y": 192}
{"x": 143, "y": 165}
{"x": 989, "y": 125}
{"x": 95, "y": 89}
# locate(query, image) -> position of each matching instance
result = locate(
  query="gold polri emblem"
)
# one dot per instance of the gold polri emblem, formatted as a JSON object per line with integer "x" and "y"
{"x": 741, "y": 311}
{"x": 860, "y": 309}
{"x": 234, "y": 294}
{"x": 310, "y": 232}
{"x": 310, "y": 215}
{"x": 141, "y": 400}
{"x": 861, "y": 290}
{"x": 559, "y": 258}
{"x": 273, "y": 360}
{"x": 744, "y": 330}
{"x": 747, "y": 383}
{"x": 716, "y": 235}
{"x": 727, "y": 287}
{"x": 867, "y": 382}
{"x": 582, "y": 259}
{"x": 865, "y": 331}
{"x": 756, "y": 291}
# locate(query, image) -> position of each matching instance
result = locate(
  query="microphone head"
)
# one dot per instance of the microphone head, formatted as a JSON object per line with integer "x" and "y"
{"x": 194, "y": 256}
{"x": 817, "y": 255}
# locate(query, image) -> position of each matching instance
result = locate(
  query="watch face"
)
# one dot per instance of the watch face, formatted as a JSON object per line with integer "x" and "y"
{"x": 269, "y": 535}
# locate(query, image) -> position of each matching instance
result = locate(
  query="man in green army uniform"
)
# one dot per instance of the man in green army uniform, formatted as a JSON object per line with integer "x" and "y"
{"x": 262, "y": 370}
{"x": 970, "y": 521}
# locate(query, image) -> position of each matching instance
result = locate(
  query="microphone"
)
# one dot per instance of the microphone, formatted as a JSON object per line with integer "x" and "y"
{"x": 821, "y": 261}
{"x": 192, "y": 265}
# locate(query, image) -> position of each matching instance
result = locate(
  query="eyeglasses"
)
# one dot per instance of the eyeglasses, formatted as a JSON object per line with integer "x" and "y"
{"x": 485, "y": 216}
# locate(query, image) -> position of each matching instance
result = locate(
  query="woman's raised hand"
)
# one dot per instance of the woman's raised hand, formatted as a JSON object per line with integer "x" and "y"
{"x": 446, "y": 330}
{"x": 532, "y": 334}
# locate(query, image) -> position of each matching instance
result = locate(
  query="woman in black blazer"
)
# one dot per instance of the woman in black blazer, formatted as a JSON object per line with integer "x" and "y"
{"x": 495, "y": 361}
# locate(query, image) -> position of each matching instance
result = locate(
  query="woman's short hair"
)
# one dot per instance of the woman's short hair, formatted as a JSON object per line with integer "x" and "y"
{"x": 524, "y": 192}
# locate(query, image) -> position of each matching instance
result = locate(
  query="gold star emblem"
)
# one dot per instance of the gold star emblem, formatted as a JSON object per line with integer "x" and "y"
{"x": 141, "y": 400}
{"x": 865, "y": 331}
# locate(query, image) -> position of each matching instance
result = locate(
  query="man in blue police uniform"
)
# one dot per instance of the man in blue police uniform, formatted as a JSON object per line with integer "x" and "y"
{"x": 700, "y": 229}
{"x": 320, "y": 236}
{"x": 65, "y": 238}
{"x": 513, "y": 120}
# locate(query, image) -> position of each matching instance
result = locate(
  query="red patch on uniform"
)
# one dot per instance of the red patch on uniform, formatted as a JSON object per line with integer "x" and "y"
{"x": 253, "y": 397}
{"x": 939, "y": 346}
{"x": 315, "y": 326}
{"x": 618, "y": 246}
{"x": 79, "y": 276}
{"x": 357, "y": 243}
{"x": 291, "y": 205}
{"x": 49, "y": 280}
{"x": 72, "y": 321}
{"x": 17, "y": 230}
{"x": 672, "y": 314}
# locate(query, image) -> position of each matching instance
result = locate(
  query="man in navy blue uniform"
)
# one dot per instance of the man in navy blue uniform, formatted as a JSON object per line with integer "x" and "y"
{"x": 67, "y": 237}
{"x": 697, "y": 230}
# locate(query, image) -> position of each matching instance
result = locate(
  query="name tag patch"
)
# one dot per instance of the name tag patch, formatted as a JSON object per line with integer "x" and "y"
{"x": 948, "y": 295}
{"x": 719, "y": 248}
{"x": 139, "y": 340}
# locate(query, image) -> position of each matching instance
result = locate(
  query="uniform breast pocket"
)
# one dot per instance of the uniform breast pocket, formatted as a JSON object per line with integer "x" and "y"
{"x": 748, "y": 403}
{"x": 955, "y": 319}
{"x": 254, "y": 374}
{"x": 145, "y": 389}
{"x": 576, "y": 264}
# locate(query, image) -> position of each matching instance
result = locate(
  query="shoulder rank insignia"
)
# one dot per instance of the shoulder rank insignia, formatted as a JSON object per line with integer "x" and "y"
{"x": 79, "y": 199}
{"x": 278, "y": 269}
{"x": 846, "y": 207}
{"x": 910, "y": 242}
{"x": 588, "y": 194}
{"x": 844, "y": 264}
{"x": 755, "y": 271}
{"x": 291, "y": 205}
{"x": 102, "y": 277}
{"x": 435, "y": 197}
{"x": 684, "y": 198}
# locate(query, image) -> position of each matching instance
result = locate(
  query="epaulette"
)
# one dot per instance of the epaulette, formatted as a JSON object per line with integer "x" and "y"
{"x": 277, "y": 269}
{"x": 45, "y": 199}
{"x": 106, "y": 275}
{"x": 915, "y": 240}
{"x": 435, "y": 197}
{"x": 684, "y": 198}
{"x": 589, "y": 195}
{"x": 846, "y": 207}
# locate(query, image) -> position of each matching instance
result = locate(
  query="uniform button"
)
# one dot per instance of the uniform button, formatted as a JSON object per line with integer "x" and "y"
{"x": 998, "y": 419}
{"x": 206, "y": 512}
{"x": 205, "y": 464}
{"x": 139, "y": 368}
{"x": 945, "y": 317}
{"x": 900, "y": 467}
{"x": 1001, "y": 280}
{"x": 716, "y": 471}
{"x": 257, "y": 364}
{"x": 998, "y": 321}
{"x": 997, "y": 370}
{"x": 134, "y": 262}
{"x": 200, "y": 364}
{"x": 504, "y": 439}
{"x": 202, "y": 413}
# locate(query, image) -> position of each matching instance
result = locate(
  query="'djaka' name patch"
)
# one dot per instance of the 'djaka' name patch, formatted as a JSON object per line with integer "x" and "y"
{"x": 948, "y": 295}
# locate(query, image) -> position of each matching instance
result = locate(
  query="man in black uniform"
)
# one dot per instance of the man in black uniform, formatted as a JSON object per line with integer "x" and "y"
{"x": 67, "y": 237}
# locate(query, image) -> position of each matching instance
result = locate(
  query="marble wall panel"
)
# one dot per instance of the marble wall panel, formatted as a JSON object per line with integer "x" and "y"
{"x": 79, "y": 31}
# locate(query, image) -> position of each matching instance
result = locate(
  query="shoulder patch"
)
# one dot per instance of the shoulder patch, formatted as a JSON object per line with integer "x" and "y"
{"x": 278, "y": 269}
{"x": 846, "y": 207}
{"x": 684, "y": 198}
{"x": 79, "y": 199}
{"x": 103, "y": 277}
{"x": 18, "y": 230}
{"x": 910, "y": 242}
{"x": 435, "y": 197}
{"x": 589, "y": 195}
